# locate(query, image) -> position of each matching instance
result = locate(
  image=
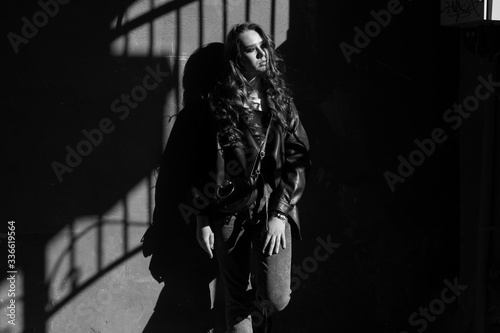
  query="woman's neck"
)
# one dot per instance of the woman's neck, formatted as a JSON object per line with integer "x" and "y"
{"x": 256, "y": 94}
{"x": 255, "y": 85}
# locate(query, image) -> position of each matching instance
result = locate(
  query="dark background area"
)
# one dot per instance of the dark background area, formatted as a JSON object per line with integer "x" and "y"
{"x": 396, "y": 248}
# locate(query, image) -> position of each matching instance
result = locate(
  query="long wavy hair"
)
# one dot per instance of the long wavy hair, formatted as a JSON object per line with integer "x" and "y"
{"x": 230, "y": 98}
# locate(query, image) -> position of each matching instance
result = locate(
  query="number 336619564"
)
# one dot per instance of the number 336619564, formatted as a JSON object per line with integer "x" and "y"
{"x": 11, "y": 244}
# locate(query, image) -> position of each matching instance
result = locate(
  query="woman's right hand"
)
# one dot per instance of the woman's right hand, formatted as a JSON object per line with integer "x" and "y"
{"x": 204, "y": 234}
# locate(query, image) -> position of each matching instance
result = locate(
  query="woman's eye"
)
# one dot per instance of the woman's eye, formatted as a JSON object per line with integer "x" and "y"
{"x": 250, "y": 50}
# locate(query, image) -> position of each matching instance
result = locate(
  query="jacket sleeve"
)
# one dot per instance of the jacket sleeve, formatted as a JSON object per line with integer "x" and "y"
{"x": 295, "y": 167}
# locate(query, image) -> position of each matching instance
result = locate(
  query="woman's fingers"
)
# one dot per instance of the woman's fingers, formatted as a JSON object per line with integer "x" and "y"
{"x": 272, "y": 245}
{"x": 210, "y": 244}
{"x": 205, "y": 238}
{"x": 208, "y": 249}
{"x": 275, "y": 236}
{"x": 211, "y": 240}
{"x": 266, "y": 242}
{"x": 280, "y": 243}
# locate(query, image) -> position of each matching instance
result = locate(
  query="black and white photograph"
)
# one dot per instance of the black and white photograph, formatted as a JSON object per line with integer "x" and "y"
{"x": 250, "y": 166}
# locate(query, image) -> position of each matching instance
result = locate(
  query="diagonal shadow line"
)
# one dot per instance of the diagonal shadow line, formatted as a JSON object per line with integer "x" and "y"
{"x": 90, "y": 281}
{"x": 82, "y": 233}
{"x": 148, "y": 17}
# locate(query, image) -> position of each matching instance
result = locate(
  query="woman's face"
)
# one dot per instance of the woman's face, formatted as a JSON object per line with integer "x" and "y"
{"x": 253, "y": 54}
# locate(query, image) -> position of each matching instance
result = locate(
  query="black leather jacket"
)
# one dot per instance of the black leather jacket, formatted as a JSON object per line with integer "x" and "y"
{"x": 285, "y": 165}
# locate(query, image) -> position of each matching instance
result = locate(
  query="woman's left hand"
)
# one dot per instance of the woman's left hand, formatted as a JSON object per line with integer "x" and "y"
{"x": 275, "y": 236}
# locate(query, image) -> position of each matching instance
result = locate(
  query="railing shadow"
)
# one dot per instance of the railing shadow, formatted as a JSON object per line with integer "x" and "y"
{"x": 78, "y": 226}
{"x": 67, "y": 88}
{"x": 102, "y": 129}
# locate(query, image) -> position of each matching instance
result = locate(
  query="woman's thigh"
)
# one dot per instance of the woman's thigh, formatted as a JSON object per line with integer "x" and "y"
{"x": 273, "y": 272}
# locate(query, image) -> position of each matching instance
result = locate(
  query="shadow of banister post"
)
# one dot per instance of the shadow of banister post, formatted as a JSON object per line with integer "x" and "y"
{"x": 224, "y": 21}
{"x": 125, "y": 225}
{"x": 273, "y": 20}
{"x": 151, "y": 30}
{"x": 72, "y": 257}
{"x": 150, "y": 202}
{"x": 200, "y": 18}
{"x": 100, "y": 252}
{"x": 247, "y": 11}
{"x": 177, "y": 56}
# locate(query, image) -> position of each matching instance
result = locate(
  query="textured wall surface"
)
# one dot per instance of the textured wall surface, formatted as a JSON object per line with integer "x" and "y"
{"x": 123, "y": 299}
{"x": 92, "y": 90}
{"x": 90, "y": 63}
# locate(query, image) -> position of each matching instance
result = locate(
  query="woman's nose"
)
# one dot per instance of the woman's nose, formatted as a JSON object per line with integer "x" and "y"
{"x": 260, "y": 53}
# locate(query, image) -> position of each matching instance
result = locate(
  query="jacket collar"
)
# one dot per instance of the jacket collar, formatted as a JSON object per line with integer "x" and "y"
{"x": 270, "y": 103}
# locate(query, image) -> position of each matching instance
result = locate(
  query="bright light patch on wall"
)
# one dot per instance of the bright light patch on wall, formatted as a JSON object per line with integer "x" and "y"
{"x": 137, "y": 41}
{"x": 201, "y": 22}
{"x": 135, "y": 206}
{"x": 282, "y": 21}
{"x": 91, "y": 243}
{"x": 164, "y": 38}
{"x": 58, "y": 267}
{"x": 94, "y": 263}
{"x": 116, "y": 302}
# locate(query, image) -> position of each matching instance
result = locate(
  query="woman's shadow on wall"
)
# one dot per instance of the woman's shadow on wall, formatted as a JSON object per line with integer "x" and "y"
{"x": 191, "y": 299}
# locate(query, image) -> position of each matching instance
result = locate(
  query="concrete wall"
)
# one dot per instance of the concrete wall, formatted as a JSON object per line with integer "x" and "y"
{"x": 87, "y": 273}
{"x": 123, "y": 299}
{"x": 113, "y": 70}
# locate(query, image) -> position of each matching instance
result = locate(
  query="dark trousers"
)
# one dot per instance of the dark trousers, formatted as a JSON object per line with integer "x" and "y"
{"x": 257, "y": 285}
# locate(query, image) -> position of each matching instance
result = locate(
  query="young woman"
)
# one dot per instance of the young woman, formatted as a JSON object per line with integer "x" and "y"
{"x": 253, "y": 246}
